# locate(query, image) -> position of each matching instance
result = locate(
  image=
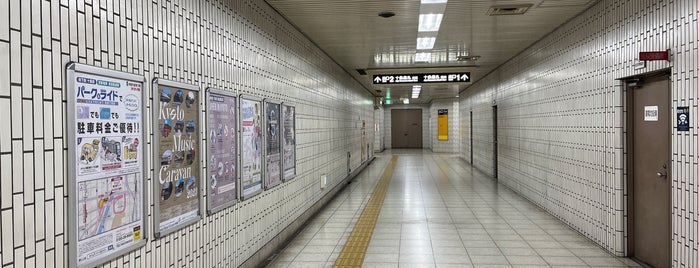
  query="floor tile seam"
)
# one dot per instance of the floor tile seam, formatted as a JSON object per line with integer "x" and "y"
{"x": 509, "y": 225}
{"x": 452, "y": 219}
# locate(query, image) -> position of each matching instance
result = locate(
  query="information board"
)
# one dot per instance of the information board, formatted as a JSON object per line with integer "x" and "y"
{"x": 390, "y": 79}
{"x": 222, "y": 157}
{"x": 289, "y": 144}
{"x": 273, "y": 149}
{"x": 176, "y": 130}
{"x": 105, "y": 164}
{"x": 251, "y": 146}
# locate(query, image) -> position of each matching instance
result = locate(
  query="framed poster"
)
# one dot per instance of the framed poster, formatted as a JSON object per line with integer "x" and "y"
{"x": 250, "y": 146}
{"x": 289, "y": 141}
{"x": 273, "y": 149}
{"x": 222, "y": 150}
{"x": 106, "y": 164}
{"x": 442, "y": 124}
{"x": 176, "y": 141}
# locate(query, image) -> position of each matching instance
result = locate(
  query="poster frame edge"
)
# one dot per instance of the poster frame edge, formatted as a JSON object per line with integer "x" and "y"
{"x": 157, "y": 232}
{"x": 71, "y": 68}
{"x": 242, "y": 195}
{"x": 289, "y": 104}
{"x": 265, "y": 185}
{"x": 210, "y": 210}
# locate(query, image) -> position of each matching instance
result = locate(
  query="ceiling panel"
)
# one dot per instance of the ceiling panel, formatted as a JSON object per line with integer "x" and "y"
{"x": 353, "y": 34}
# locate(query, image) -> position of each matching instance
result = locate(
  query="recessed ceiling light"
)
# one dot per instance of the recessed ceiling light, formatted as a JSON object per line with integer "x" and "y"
{"x": 426, "y": 42}
{"x": 429, "y": 22}
{"x": 406, "y": 101}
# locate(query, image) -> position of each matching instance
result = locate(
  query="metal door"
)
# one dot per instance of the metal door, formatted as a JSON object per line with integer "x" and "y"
{"x": 651, "y": 171}
{"x": 406, "y": 128}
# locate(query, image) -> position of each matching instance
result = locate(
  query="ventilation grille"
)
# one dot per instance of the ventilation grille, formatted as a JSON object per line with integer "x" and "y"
{"x": 508, "y": 10}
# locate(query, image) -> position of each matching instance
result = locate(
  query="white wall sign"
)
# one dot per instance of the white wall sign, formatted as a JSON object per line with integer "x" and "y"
{"x": 650, "y": 113}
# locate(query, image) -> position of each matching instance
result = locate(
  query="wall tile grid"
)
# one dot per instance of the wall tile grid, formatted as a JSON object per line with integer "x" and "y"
{"x": 426, "y": 144}
{"x": 242, "y": 46}
{"x": 560, "y": 111}
{"x": 453, "y": 144}
{"x": 378, "y": 131}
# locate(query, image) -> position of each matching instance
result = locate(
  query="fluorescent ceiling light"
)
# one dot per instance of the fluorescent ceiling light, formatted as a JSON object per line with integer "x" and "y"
{"x": 429, "y": 22}
{"x": 422, "y": 57}
{"x": 426, "y": 42}
{"x": 416, "y": 91}
{"x": 406, "y": 101}
{"x": 432, "y": 1}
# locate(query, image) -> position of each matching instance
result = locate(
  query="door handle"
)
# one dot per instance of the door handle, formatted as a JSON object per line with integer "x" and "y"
{"x": 405, "y": 134}
{"x": 661, "y": 174}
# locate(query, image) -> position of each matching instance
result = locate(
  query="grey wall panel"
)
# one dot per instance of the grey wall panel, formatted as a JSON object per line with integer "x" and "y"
{"x": 239, "y": 46}
{"x": 561, "y": 118}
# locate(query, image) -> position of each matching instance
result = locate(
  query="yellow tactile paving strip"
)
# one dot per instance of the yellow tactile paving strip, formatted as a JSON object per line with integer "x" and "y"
{"x": 352, "y": 254}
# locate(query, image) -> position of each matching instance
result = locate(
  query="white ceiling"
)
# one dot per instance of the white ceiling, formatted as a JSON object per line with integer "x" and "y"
{"x": 353, "y": 34}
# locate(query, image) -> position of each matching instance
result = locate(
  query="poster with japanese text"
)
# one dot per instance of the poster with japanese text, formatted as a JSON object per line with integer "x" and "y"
{"x": 273, "y": 164}
{"x": 106, "y": 164}
{"x": 251, "y": 146}
{"x": 222, "y": 175}
{"x": 289, "y": 141}
{"x": 176, "y": 147}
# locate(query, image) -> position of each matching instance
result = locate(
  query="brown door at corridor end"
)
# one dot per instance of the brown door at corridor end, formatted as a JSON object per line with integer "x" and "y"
{"x": 406, "y": 128}
{"x": 650, "y": 154}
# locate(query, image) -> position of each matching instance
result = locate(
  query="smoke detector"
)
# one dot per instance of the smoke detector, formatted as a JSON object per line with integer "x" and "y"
{"x": 500, "y": 10}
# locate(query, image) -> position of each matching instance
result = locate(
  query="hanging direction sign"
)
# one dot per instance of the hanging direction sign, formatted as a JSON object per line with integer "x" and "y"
{"x": 422, "y": 78}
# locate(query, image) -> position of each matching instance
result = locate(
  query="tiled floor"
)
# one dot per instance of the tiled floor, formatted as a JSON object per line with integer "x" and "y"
{"x": 438, "y": 212}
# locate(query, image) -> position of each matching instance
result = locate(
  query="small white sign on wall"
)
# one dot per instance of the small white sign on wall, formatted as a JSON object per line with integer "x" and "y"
{"x": 650, "y": 113}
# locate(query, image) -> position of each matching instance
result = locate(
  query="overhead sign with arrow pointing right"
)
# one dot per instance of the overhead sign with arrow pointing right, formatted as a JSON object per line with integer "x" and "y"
{"x": 388, "y": 79}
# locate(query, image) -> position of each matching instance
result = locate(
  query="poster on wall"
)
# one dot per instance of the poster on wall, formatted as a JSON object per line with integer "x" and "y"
{"x": 176, "y": 130}
{"x": 251, "y": 146}
{"x": 273, "y": 163}
{"x": 683, "y": 118}
{"x": 222, "y": 157}
{"x": 289, "y": 142}
{"x": 443, "y": 124}
{"x": 105, "y": 164}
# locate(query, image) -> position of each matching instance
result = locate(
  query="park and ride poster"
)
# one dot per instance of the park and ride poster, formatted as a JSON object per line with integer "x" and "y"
{"x": 176, "y": 151}
{"x": 222, "y": 171}
{"x": 251, "y": 146}
{"x": 273, "y": 164}
{"x": 106, "y": 164}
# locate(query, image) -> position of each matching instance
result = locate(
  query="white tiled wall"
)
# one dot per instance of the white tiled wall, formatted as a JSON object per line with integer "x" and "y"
{"x": 379, "y": 130}
{"x": 452, "y": 144}
{"x": 560, "y": 118}
{"x": 425, "y": 123}
{"x": 242, "y": 46}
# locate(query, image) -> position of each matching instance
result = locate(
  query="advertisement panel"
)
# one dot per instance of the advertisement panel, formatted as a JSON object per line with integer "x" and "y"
{"x": 251, "y": 146}
{"x": 105, "y": 164}
{"x": 443, "y": 124}
{"x": 289, "y": 143}
{"x": 176, "y": 149}
{"x": 222, "y": 130}
{"x": 273, "y": 164}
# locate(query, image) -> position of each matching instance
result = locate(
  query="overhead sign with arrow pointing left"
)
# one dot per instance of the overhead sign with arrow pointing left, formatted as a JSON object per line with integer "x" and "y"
{"x": 388, "y": 79}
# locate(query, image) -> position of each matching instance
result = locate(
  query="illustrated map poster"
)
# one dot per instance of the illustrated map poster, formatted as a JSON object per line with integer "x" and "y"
{"x": 106, "y": 169}
{"x": 251, "y": 146}
{"x": 177, "y": 148}
{"x": 273, "y": 175}
{"x": 221, "y": 111}
{"x": 289, "y": 144}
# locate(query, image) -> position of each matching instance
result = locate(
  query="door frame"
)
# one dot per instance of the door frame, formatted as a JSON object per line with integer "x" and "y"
{"x": 495, "y": 141}
{"x": 628, "y": 84}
